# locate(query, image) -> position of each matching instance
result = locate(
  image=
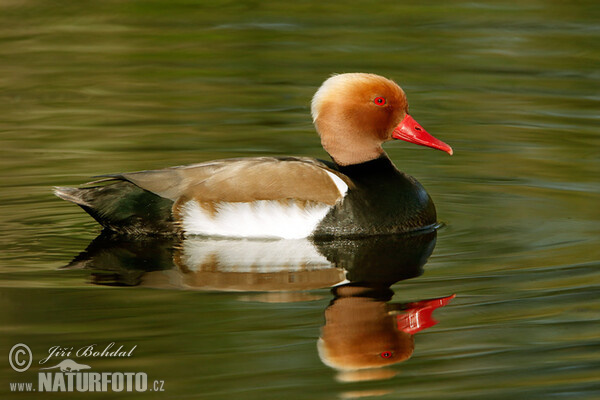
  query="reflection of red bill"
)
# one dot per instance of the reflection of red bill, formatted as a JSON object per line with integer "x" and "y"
{"x": 418, "y": 315}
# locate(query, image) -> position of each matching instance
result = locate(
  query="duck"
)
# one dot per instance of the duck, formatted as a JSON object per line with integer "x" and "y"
{"x": 358, "y": 193}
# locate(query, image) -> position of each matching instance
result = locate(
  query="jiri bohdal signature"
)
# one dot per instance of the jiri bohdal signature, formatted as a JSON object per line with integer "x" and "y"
{"x": 92, "y": 350}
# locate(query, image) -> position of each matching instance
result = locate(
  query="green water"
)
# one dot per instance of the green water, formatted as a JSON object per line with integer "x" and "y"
{"x": 92, "y": 87}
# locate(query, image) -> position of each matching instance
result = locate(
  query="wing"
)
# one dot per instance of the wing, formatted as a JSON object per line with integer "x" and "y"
{"x": 246, "y": 197}
{"x": 245, "y": 180}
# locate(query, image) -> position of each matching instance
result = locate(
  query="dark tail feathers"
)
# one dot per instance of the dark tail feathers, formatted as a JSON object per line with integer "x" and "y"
{"x": 124, "y": 208}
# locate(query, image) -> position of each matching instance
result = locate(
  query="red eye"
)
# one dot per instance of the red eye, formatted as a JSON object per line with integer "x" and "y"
{"x": 386, "y": 354}
{"x": 380, "y": 101}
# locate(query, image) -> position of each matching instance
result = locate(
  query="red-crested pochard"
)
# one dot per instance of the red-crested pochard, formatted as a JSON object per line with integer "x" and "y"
{"x": 360, "y": 193}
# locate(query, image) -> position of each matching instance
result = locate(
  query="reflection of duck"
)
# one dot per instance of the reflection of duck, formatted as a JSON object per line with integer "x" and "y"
{"x": 360, "y": 332}
{"x": 208, "y": 264}
{"x": 363, "y": 332}
{"x": 360, "y": 193}
{"x": 254, "y": 265}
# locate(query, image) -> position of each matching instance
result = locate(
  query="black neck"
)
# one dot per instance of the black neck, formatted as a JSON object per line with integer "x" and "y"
{"x": 378, "y": 166}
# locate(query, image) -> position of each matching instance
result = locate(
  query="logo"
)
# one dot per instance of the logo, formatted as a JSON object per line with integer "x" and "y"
{"x": 17, "y": 356}
{"x": 69, "y": 366}
{"x": 69, "y": 375}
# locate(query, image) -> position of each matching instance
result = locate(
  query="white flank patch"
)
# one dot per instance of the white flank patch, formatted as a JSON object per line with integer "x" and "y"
{"x": 258, "y": 219}
{"x": 339, "y": 183}
{"x": 259, "y": 256}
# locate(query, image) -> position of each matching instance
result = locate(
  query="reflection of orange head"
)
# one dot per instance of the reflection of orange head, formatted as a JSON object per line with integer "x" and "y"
{"x": 360, "y": 333}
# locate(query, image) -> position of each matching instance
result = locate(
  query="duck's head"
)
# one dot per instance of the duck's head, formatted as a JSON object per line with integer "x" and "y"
{"x": 356, "y": 113}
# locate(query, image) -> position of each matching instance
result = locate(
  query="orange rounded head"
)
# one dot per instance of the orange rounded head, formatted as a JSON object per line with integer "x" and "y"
{"x": 356, "y": 113}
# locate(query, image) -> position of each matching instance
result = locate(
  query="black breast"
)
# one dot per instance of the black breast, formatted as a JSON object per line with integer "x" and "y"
{"x": 382, "y": 201}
